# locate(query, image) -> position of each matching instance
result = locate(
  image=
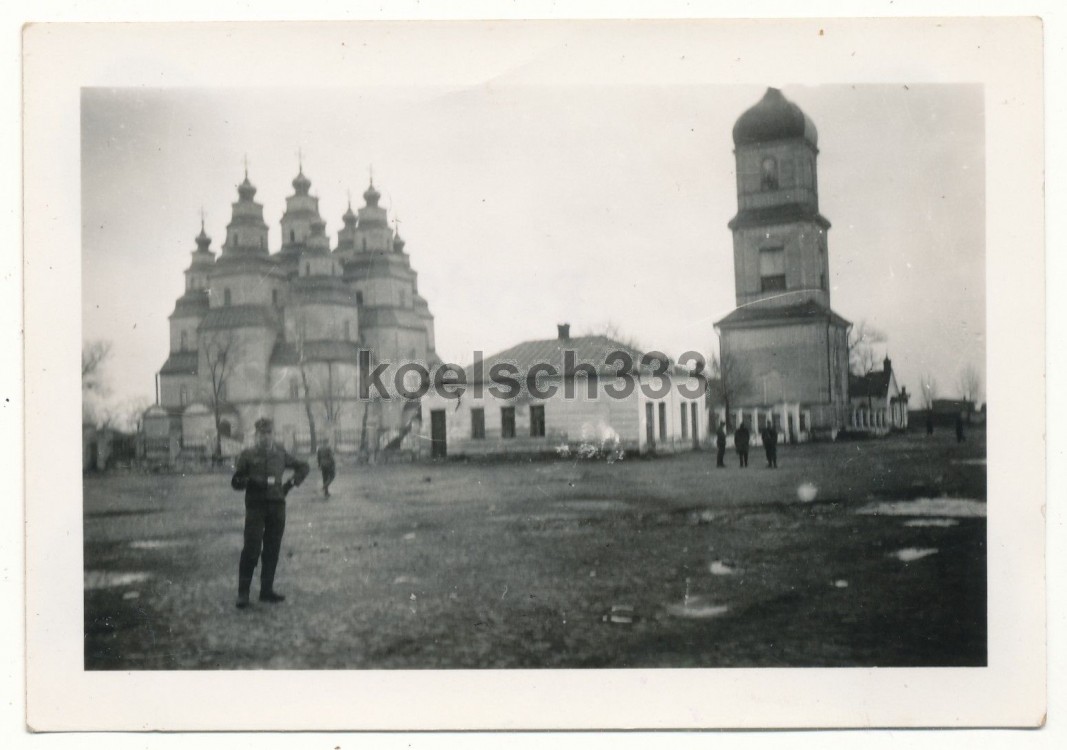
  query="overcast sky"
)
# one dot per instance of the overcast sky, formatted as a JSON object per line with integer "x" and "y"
{"x": 526, "y": 206}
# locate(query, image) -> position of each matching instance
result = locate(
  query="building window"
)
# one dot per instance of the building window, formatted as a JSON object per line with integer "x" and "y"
{"x": 185, "y": 340}
{"x": 537, "y": 421}
{"x": 294, "y": 389}
{"x": 292, "y": 235}
{"x": 803, "y": 421}
{"x": 225, "y": 430}
{"x": 685, "y": 423}
{"x": 359, "y": 298}
{"x": 183, "y": 395}
{"x": 507, "y": 422}
{"x": 226, "y": 297}
{"x": 772, "y": 269}
{"x": 768, "y": 174}
{"x": 478, "y": 424}
{"x": 662, "y": 421}
{"x": 307, "y": 269}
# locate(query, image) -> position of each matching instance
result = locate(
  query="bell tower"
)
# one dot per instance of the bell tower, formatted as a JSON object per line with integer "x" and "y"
{"x": 780, "y": 244}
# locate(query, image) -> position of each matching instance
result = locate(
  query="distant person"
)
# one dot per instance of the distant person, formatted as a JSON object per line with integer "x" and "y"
{"x": 959, "y": 428}
{"x": 770, "y": 445}
{"x": 741, "y": 440}
{"x": 259, "y": 472}
{"x": 324, "y": 457}
{"x": 929, "y": 423}
{"x": 720, "y": 446}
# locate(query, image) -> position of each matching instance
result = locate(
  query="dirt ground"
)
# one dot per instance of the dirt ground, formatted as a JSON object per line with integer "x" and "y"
{"x": 657, "y": 562}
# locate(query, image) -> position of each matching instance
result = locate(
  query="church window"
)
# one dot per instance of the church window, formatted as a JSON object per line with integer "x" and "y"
{"x": 185, "y": 340}
{"x": 769, "y": 173}
{"x": 478, "y": 424}
{"x": 226, "y": 297}
{"x": 507, "y": 421}
{"x": 292, "y": 235}
{"x": 537, "y": 421}
{"x": 772, "y": 269}
{"x": 822, "y": 281}
{"x": 183, "y": 395}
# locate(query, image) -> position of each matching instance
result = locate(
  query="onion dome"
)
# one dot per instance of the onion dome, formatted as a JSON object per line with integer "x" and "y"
{"x": 349, "y": 217}
{"x": 371, "y": 195}
{"x": 774, "y": 118}
{"x": 246, "y": 189}
{"x": 203, "y": 241}
{"x": 301, "y": 184}
{"x": 398, "y": 243}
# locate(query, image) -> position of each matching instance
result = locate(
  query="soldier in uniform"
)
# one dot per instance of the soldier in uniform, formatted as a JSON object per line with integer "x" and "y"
{"x": 720, "y": 446}
{"x": 259, "y": 472}
{"x": 741, "y": 438}
{"x": 324, "y": 457}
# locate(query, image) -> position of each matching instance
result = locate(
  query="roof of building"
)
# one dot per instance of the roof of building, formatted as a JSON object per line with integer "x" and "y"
{"x": 770, "y": 314}
{"x": 596, "y": 351}
{"x": 873, "y": 384}
{"x": 240, "y": 316}
{"x": 315, "y": 351}
{"x": 779, "y": 214}
{"x": 181, "y": 363}
{"x": 191, "y": 304}
{"x": 773, "y": 118}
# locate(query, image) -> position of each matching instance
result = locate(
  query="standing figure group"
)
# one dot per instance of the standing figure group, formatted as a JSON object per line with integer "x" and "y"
{"x": 742, "y": 440}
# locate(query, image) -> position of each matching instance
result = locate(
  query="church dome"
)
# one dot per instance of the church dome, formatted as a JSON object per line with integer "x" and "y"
{"x": 246, "y": 189}
{"x": 371, "y": 195}
{"x": 301, "y": 184}
{"x": 773, "y": 118}
{"x": 398, "y": 243}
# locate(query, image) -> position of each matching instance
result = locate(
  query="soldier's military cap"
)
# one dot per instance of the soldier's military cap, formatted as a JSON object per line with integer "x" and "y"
{"x": 264, "y": 425}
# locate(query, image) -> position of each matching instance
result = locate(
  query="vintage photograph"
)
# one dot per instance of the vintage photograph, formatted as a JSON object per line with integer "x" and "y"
{"x": 534, "y": 378}
{"x": 490, "y": 366}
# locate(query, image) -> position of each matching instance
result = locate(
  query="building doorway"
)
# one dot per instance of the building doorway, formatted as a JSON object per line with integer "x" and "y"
{"x": 438, "y": 435}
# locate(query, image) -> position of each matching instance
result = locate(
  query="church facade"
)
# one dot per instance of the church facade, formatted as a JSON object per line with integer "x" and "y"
{"x": 783, "y": 350}
{"x": 291, "y": 334}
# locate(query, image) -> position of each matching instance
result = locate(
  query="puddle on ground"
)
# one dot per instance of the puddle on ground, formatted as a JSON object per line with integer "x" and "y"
{"x": 721, "y": 568}
{"x": 840, "y": 583}
{"x": 156, "y": 543}
{"x": 806, "y": 492}
{"x": 953, "y": 507}
{"x": 911, "y": 554}
{"x": 971, "y": 461}
{"x": 943, "y": 523}
{"x": 697, "y": 608}
{"x": 132, "y": 595}
{"x": 105, "y": 579}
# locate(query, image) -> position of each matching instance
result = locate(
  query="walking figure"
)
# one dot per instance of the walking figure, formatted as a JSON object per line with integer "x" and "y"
{"x": 770, "y": 445}
{"x": 720, "y": 446}
{"x": 324, "y": 457}
{"x": 741, "y": 439}
{"x": 959, "y": 428}
{"x": 259, "y": 472}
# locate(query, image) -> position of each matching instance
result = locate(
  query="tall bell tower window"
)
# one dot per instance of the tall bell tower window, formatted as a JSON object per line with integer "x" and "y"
{"x": 772, "y": 269}
{"x": 769, "y": 173}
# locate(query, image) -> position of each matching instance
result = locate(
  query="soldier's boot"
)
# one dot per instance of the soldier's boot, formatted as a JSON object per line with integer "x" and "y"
{"x": 242, "y": 598}
{"x": 267, "y": 592}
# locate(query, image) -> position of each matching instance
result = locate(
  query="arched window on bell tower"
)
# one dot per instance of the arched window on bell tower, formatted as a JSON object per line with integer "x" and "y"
{"x": 769, "y": 173}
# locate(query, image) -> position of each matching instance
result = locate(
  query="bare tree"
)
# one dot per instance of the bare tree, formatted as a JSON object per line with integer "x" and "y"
{"x": 863, "y": 343}
{"x": 300, "y": 343}
{"x": 221, "y": 351}
{"x": 612, "y": 330}
{"x": 729, "y": 381}
{"x": 969, "y": 385}
{"x": 125, "y": 415}
{"x": 94, "y": 386}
